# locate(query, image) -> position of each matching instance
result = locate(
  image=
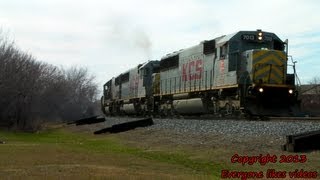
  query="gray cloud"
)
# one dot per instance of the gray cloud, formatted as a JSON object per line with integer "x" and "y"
{"x": 111, "y": 36}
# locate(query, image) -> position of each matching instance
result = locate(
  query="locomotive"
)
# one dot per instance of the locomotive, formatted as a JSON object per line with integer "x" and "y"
{"x": 241, "y": 73}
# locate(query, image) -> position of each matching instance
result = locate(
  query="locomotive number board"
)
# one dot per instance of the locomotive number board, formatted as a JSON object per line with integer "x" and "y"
{"x": 253, "y": 37}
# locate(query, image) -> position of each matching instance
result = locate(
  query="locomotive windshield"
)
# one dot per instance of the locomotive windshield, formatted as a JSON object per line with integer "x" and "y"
{"x": 276, "y": 45}
{"x": 255, "y": 45}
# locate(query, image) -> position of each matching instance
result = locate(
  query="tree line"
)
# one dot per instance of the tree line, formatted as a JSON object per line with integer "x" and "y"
{"x": 33, "y": 92}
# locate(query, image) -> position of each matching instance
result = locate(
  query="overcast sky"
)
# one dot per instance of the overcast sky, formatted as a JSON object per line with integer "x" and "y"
{"x": 111, "y": 36}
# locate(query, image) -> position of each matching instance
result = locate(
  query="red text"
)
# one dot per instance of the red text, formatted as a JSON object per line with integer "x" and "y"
{"x": 192, "y": 70}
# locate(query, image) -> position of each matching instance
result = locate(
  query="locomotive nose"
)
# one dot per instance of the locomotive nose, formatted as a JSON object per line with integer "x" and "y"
{"x": 268, "y": 66}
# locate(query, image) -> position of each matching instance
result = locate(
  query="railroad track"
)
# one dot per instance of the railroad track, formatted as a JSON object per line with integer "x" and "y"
{"x": 101, "y": 118}
{"x": 295, "y": 118}
{"x": 259, "y": 118}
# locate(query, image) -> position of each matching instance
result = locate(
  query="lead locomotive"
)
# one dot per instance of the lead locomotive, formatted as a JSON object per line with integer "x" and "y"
{"x": 244, "y": 72}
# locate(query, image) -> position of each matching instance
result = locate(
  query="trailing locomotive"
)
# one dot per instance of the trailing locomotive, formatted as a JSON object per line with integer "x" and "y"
{"x": 244, "y": 72}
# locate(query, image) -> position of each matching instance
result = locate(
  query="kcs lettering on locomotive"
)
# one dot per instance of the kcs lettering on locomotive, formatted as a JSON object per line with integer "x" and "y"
{"x": 192, "y": 70}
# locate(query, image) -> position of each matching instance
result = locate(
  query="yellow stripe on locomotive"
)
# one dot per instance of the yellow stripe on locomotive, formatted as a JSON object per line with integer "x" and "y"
{"x": 269, "y": 67}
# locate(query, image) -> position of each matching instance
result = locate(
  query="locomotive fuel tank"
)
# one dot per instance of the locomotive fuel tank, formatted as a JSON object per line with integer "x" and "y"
{"x": 189, "y": 106}
{"x": 129, "y": 108}
{"x": 106, "y": 110}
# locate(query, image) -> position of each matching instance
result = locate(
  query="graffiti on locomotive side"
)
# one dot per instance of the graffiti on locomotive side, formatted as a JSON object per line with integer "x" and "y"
{"x": 192, "y": 70}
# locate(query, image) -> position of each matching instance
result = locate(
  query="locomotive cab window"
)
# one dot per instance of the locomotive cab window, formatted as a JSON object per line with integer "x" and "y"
{"x": 224, "y": 51}
{"x": 146, "y": 72}
{"x": 277, "y": 45}
{"x": 125, "y": 77}
{"x": 117, "y": 80}
{"x": 233, "y": 61}
{"x": 156, "y": 69}
{"x": 141, "y": 73}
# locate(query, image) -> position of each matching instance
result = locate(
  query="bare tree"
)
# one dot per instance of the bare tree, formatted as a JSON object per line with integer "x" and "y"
{"x": 32, "y": 90}
{"x": 315, "y": 85}
{"x": 310, "y": 97}
{"x": 82, "y": 93}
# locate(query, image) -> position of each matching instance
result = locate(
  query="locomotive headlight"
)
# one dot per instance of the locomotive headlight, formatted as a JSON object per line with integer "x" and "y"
{"x": 290, "y": 91}
{"x": 260, "y": 34}
{"x": 261, "y": 90}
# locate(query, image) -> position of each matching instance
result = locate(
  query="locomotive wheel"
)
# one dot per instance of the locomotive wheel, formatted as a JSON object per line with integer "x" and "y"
{"x": 229, "y": 109}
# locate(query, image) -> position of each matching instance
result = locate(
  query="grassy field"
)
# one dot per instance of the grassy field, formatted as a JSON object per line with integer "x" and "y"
{"x": 61, "y": 154}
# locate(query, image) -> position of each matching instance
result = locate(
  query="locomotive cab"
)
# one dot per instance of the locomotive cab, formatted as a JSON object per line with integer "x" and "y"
{"x": 106, "y": 98}
{"x": 269, "y": 89}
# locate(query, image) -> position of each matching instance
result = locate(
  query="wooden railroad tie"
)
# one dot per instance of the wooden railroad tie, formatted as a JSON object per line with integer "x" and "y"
{"x": 302, "y": 142}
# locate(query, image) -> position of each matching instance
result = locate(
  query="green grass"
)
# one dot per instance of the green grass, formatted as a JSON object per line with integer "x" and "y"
{"x": 106, "y": 144}
{"x": 54, "y": 147}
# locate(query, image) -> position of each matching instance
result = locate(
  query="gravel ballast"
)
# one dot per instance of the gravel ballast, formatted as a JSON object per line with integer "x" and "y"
{"x": 212, "y": 133}
{"x": 225, "y": 127}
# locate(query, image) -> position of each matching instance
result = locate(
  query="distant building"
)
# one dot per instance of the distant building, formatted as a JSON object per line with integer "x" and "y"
{"x": 310, "y": 89}
{"x": 310, "y": 99}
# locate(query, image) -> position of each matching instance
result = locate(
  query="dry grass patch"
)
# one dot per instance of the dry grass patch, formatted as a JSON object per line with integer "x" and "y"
{"x": 59, "y": 154}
